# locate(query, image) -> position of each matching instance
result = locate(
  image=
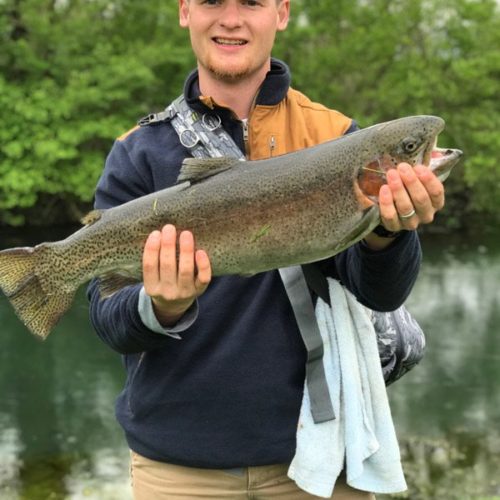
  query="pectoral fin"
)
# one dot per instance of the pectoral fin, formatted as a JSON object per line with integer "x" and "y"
{"x": 370, "y": 219}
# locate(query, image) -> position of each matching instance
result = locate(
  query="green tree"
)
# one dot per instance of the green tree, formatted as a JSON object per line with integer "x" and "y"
{"x": 75, "y": 74}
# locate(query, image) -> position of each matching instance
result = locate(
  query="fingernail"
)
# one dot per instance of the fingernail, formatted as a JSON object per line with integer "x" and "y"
{"x": 392, "y": 174}
{"x": 185, "y": 236}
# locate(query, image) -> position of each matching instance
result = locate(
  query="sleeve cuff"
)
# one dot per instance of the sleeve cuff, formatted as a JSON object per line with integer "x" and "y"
{"x": 402, "y": 237}
{"x": 148, "y": 317}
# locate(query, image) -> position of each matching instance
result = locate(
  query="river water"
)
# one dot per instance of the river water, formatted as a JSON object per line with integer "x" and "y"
{"x": 59, "y": 438}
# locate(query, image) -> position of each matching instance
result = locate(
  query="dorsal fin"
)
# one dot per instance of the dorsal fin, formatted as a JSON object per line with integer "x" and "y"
{"x": 91, "y": 217}
{"x": 196, "y": 169}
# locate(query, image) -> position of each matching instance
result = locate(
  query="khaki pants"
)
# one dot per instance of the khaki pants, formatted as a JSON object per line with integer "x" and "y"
{"x": 153, "y": 480}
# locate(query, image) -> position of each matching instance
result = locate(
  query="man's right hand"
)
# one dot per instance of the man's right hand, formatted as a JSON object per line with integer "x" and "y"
{"x": 172, "y": 284}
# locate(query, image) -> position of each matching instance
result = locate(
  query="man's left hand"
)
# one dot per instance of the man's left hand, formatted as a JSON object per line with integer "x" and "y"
{"x": 411, "y": 197}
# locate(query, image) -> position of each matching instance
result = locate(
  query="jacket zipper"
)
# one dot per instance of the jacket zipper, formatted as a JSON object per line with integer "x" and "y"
{"x": 272, "y": 140}
{"x": 272, "y": 145}
{"x": 244, "y": 124}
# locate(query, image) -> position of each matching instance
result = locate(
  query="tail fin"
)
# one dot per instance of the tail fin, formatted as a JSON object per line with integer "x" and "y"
{"x": 38, "y": 302}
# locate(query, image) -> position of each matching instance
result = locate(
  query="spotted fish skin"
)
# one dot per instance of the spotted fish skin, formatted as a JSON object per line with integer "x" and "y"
{"x": 249, "y": 216}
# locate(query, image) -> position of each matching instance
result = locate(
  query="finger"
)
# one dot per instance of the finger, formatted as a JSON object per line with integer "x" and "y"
{"x": 150, "y": 260}
{"x": 419, "y": 195}
{"x": 185, "y": 277}
{"x": 204, "y": 274}
{"x": 401, "y": 180}
{"x": 388, "y": 212}
{"x": 168, "y": 255}
{"x": 432, "y": 184}
{"x": 402, "y": 200}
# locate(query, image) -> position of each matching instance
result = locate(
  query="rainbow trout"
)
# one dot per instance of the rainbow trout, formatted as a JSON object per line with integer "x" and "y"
{"x": 250, "y": 216}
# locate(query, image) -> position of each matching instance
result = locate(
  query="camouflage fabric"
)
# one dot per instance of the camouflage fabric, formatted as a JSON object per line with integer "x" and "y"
{"x": 401, "y": 342}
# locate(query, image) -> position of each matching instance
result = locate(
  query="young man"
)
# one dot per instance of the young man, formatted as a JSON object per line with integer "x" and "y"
{"x": 216, "y": 367}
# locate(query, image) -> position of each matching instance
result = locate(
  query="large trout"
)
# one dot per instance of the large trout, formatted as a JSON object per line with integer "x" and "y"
{"x": 250, "y": 216}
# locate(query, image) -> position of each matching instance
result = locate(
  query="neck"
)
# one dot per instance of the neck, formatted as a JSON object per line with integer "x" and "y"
{"x": 238, "y": 95}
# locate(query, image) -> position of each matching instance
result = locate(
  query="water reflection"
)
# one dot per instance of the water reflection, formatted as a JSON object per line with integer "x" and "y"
{"x": 457, "y": 303}
{"x": 59, "y": 438}
{"x": 447, "y": 411}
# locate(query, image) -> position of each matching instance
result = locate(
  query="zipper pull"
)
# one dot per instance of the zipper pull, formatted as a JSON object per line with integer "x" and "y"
{"x": 245, "y": 131}
{"x": 272, "y": 145}
{"x": 244, "y": 126}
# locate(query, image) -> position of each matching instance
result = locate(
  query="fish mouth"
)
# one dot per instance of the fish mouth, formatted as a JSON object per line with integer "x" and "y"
{"x": 424, "y": 158}
{"x": 442, "y": 160}
{"x": 438, "y": 160}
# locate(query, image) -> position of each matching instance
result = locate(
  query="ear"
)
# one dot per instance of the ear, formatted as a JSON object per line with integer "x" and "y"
{"x": 283, "y": 14}
{"x": 183, "y": 13}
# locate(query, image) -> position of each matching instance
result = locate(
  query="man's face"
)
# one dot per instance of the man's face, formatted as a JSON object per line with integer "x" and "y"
{"x": 232, "y": 39}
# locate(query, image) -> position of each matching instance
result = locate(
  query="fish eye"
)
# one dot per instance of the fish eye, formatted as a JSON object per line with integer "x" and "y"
{"x": 410, "y": 144}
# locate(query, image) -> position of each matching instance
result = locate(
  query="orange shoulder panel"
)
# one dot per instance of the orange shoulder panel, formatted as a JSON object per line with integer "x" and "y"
{"x": 295, "y": 123}
{"x": 126, "y": 134}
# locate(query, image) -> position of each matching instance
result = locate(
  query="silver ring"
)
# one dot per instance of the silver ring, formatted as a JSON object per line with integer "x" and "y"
{"x": 211, "y": 122}
{"x": 409, "y": 215}
{"x": 189, "y": 138}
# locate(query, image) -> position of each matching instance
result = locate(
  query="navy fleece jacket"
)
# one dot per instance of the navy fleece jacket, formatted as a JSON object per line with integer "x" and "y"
{"x": 228, "y": 393}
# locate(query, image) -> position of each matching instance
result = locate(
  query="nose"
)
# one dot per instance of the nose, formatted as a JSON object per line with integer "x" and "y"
{"x": 230, "y": 16}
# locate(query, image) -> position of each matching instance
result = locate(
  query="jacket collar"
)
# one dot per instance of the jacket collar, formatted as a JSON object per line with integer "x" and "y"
{"x": 273, "y": 89}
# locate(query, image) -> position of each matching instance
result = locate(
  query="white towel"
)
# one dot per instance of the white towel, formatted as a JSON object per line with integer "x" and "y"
{"x": 361, "y": 439}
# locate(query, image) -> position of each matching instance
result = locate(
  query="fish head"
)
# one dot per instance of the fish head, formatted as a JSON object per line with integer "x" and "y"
{"x": 411, "y": 140}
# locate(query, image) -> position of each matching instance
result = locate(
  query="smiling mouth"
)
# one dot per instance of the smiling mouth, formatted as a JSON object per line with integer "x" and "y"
{"x": 229, "y": 41}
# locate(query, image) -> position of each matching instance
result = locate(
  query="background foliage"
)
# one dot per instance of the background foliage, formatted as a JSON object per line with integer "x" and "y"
{"x": 74, "y": 74}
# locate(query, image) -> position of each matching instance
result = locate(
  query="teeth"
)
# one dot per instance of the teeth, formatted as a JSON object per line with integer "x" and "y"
{"x": 427, "y": 155}
{"x": 225, "y": 41}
